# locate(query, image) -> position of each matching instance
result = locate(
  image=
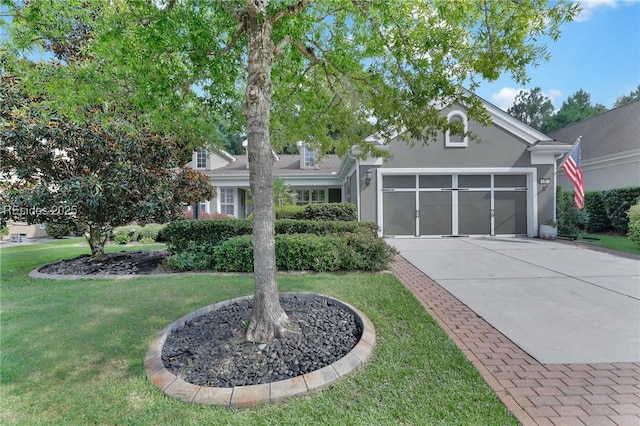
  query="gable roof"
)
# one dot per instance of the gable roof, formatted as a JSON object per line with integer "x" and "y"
{"x": 610, "y": 133}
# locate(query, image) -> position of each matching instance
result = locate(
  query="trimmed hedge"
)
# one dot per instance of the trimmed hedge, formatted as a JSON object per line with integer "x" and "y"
{"x": 152, "y": 230}
{"x": 290, "y": 212}
{"x": 210, "y": 233}
{"x": 133, "y": 231}
{"x": 300, "y": 252}
{"x": 594, "y": 205}
{"x": 634, "y": 224}
{"x": 331, "y": 211}
{"x": 606, "y": 210}
{"x": 617, "y": 203}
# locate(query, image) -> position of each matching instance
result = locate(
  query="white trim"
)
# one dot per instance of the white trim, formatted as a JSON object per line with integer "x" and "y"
{"x": 465, "y": 123}
{"x": 234, "y": 193}
{"x": 532, "y": 196}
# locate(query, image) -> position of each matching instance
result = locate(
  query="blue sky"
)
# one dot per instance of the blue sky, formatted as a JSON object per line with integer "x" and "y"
{"x": 599, "y": 52}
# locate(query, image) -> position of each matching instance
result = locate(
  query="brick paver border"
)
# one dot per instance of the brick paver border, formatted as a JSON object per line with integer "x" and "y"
{"x": 537, "y": 394}
{"x": 247, "y": 396}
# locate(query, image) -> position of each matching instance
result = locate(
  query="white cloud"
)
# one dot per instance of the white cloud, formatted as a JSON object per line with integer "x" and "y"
{"x": 505, "y": 97}
{"x": 589, "y": 7}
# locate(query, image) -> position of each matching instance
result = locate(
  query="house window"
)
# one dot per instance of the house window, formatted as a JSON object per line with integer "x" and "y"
{"x": 454, "y": 139}
{"x": 201, "y": 158}
{"x": 306, "y": 196}
{"x": 310, "y": 158}
{"x": 226, "y": 197}
{"x": 203, "y": 207}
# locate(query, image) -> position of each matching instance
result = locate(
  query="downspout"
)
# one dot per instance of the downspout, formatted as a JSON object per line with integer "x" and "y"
{"x": 555, "y": 186}
{"x": 350, "y": 156}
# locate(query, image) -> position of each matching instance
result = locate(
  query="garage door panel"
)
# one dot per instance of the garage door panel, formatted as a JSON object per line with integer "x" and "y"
{"x": 474, "y": 213}
{"x": 399, "y": 213}
{"x": 510, "y": 212}
{"x": 435, "y": 213}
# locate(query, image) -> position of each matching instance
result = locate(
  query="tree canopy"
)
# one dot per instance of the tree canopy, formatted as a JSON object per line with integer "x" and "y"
{"x": 626, "y": 99}
{"x": 532, "y": 107}
{"x": 56, "y": 170}
{"x": 576, "y": 108}
{"x": 326, "y": 72}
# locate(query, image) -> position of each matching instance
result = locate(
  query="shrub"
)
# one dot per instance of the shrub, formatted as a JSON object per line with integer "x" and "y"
{"x": 122, "y": 239}
{"x": 151, "y": 230}
{"x": 210, "y": 233}
{"x": 594, "y": 206}
{"x": 188, "y": 215}
{"x": 132, "y": 231}
{"x": 306, "y": 252}
{"x": 331, "y": 211}
{"x": 56, "y": 230}
{"x": 234, "y": 255}
{"x": 4, "y": 231}
{"x": 634, "y": 224}
{"x": 189, "y": 261}
{"x": 617, "y": 203}
{"x": 571, "y": 221}
{"x": 147, "y": 240}
{"x": 365, "y": 251}
{"x": 290, "y": 212}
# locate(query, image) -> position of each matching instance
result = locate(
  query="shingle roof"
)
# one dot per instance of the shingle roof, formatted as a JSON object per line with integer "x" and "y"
{"x": 287, "y": 165}
{"x": 613, "y": 132}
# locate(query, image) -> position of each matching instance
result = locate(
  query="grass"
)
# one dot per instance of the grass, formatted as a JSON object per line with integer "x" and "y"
{"x": 72, "y": 352}
{"x": 611, "y": 242}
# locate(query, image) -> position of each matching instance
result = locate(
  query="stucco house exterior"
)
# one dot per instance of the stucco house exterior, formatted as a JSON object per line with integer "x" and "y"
{"x": 502, "y": 185}
{"x": 610, "y": 148}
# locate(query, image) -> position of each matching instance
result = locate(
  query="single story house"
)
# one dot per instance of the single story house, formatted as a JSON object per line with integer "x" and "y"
{"x": 502, "y": 185}
{"x": 610, "y": 148}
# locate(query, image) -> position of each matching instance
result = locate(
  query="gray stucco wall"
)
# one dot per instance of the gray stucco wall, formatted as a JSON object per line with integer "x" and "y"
{"x": 497, "y": 148}
{"x": 604, "y": 176}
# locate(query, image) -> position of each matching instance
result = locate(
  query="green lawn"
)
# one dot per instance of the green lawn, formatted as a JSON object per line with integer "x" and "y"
{"x": 72, "y": 352}
{"x": 611, "y": 242}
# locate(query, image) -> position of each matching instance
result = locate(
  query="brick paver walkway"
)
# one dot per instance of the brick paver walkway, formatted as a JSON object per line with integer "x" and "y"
{"x": 537, "y": 394}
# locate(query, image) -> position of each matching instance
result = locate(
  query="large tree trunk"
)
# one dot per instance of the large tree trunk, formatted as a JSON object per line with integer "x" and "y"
{"x": 97, "y": 239}
{"x": 268, "y": 318}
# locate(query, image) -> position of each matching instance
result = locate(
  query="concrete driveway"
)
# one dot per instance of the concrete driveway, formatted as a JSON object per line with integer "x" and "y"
{"x": 560, "y": 303}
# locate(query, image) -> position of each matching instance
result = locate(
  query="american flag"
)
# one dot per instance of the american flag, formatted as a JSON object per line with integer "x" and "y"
{"x": 573, "y": 169}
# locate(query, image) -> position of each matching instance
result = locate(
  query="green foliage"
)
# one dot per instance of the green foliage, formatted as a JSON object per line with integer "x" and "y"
{"x": 364, "y": 251}
{"x": 531, "y": 107}
{"x": 147, "y": 240}
{"x": 122, "y": 239}
{"x": 56, "y": 230}
{"x": 571, "y": 221}
{"x": 331, "y": 211}
{"x": 4, "y": 231}
{"x": 595, "y": 207}
{"x": 634, "y": 96}
{"x": 617, "y": 203}
{"x": 300, "y": 252}
{"x": 290, "y": 212}
{"x": 210, "y": 233}
{"x": 235, "y": 255}
{"x": 97, "y": 173}
{"x": 152, "y": 230}
{"x": 576, "y": 108}
{"x": 189, "y": 261}
{"x": 282, "y": 193}
{"x": 634, "y": 224}
{"x": 132, "y": 231}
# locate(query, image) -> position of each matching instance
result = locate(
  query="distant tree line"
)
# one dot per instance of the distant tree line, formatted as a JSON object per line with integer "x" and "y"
{"x": 537, "y": 110}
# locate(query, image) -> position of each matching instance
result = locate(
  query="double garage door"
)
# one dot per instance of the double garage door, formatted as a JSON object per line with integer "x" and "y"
{"x": 454, "y": 204}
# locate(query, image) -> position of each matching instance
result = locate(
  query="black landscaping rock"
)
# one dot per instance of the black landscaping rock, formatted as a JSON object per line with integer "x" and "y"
{"x": 120, "y": 263}
{"x": 210, "y": 350}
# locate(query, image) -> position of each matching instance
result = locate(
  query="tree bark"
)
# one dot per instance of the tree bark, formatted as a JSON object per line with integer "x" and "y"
{"x": 97, "y": 239}
{"x": 267, "y": 318}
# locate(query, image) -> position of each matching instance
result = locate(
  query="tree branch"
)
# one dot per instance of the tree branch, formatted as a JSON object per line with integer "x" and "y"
{"x": 240, "y": 29}
{"x": 291, "y": 10}
{"x": 282, "y": 44}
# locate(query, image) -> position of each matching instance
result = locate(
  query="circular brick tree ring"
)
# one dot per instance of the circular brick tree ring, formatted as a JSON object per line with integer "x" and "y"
{"x": 246, "y": 396}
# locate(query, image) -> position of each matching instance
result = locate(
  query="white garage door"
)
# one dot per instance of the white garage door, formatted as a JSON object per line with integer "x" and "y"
{"x": 454, "y": 204}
